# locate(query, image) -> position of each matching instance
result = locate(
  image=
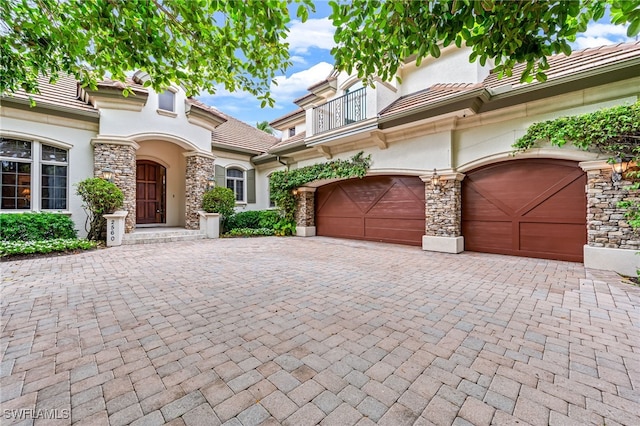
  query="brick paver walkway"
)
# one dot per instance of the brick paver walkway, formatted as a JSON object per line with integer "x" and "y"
{"x": 304, "y": 331}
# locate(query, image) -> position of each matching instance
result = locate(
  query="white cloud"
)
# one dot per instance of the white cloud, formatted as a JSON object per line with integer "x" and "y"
{"x": 312, "y": 33}
{"x": 289, "y": 88}
{"x": 298, "y": 60}
{"x": 601, "y": 34}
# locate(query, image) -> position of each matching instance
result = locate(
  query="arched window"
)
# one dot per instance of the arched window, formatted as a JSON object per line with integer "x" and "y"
{"x": 235, "y": 182}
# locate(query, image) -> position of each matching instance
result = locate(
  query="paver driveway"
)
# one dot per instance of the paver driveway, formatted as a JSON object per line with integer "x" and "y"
{"x": 302, "y": 331}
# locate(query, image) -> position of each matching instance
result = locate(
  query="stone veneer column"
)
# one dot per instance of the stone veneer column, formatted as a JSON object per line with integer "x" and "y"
{"x": 305, "y": 212}
{"x": 443, "y": 207}
{"x": 120, "y": 156}
{"x": 200, "y": 168}
{"x": 611, "y": 242}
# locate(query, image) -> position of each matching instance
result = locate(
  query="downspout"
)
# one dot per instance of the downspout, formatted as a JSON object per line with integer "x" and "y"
{"x": 282, "y": 162}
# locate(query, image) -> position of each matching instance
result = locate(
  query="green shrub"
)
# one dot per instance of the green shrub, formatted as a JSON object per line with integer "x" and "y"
{"x": 285, "y": 227}
{"x": 9, "y": 248}
{"x": 99, "y": 197}
{"x": 35, "y": 226}
{"x": 269, "y": 218}
{"x": 220, "y": 200}
{"x": 254, "y": 219}
{"x": 248, "y": 219}
{"x": 250, "y": 232}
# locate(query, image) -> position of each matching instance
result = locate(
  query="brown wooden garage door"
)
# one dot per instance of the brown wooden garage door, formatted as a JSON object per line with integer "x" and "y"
{"x": 534, "y": 208}
{"x": 377, "y": 208}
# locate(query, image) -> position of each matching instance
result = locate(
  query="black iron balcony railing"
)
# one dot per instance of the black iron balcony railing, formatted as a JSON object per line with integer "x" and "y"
{"x": 341, "y": 111}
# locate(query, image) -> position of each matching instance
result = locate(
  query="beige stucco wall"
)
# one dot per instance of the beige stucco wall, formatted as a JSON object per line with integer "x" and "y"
{"x": 114, "y": 122}
{"x": 170, "y": 156}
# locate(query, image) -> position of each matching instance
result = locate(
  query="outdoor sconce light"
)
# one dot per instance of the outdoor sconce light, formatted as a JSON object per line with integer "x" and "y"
{"x": 107, "y": 174}
{"x": 435, "y": 179}
{"x": 618, "y": 167}
{"x": 294, "y": 192}
{"x": 211, "y": 183}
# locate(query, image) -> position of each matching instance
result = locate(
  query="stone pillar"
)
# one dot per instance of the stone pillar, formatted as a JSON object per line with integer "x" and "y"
{"x": 305, "y": 212}
{"x": 611, "y": 242}
{"x": 443, "y": 207}
{"x": 120, "y": 156}
{"x": 200, "y": 168}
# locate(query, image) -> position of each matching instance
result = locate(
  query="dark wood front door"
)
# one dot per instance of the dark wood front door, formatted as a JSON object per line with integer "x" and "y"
{"x": 150, "y": 192}
{"x": 534, "y": 208}
{"x": 377, "y": 208}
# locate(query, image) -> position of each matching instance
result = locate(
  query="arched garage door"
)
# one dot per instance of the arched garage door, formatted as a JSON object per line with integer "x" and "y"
{"x": 534, "y": 208}
{"x": 376, "y": 208}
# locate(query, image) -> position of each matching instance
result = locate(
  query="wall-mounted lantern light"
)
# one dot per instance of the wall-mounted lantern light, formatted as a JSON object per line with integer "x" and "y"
{"x": 211, "y": 183}
{"x": 294, "y": 192}
{"x": 107, "y": 174}
{"x": 435, "y": 179}
{"x": 619, "y": 167}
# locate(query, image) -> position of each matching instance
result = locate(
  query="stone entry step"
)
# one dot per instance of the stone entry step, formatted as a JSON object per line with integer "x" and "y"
{"x": 162, "y": 235}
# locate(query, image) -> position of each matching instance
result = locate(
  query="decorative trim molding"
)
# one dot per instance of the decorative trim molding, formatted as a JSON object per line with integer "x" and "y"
{"x": 555, "y": 153}
{"x": 41, "y": 139}
{"x": 199, "y": 154}
{"x": 594, "y": 165}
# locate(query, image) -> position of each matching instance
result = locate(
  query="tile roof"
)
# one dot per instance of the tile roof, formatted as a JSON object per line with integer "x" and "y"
{"x": 560, "y": 66}
{"x": 62, "y": 94}
{"x": 207, "y": 108}
{"x": 579, "y": 61}
{"x": 294, "y": 140}
{"x": 437, "y": 92}
{"x": 288, "y": 115}
{"x": 237, "y": 134}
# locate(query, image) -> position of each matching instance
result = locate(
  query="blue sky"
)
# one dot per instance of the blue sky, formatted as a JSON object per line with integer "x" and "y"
{"x": 310, "y": 44}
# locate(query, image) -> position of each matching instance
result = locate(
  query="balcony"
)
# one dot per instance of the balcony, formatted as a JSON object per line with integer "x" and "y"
{"x": 341, "y": 111}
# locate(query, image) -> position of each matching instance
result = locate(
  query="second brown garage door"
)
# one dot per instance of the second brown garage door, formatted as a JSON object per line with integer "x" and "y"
{"x": 377, "y": 208}
{"x": 534, "y": 208}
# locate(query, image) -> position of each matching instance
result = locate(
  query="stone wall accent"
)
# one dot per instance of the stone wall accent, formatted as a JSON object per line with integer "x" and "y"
{"x": 120, "y": 156}
{"x": 305, "y": 209}
{"x": 200, "y": 168}
{"x": 606, "y": 224}
{"x": 443, "y": 205}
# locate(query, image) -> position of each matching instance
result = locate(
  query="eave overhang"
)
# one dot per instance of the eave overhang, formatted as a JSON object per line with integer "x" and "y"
{"x": 41, "y": 107}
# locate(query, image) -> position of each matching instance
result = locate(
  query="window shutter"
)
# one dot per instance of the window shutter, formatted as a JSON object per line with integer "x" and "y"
{"x": 251, "y": 186}
{"x": 221, "y": 176}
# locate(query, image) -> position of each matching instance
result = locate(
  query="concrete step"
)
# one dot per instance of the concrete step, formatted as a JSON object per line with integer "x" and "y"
{"x": 162, "y": 236}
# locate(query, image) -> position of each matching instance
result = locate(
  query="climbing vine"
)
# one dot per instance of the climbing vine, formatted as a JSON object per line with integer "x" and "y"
{"x": 612, "y": 131}
{"x": 284, "y": 182}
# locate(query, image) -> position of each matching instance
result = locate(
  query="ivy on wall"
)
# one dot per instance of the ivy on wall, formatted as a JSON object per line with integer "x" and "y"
{"x": 612, "y": 131}
{"x": 284, "y": 182}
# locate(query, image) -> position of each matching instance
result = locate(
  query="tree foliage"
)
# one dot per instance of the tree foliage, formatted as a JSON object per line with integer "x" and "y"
{"x": 283, "y": 182}
{"x": 194, "y": 43}
{"x": 374, "y": 36}
{"x": 241, "y": 45}
{"x": 264, "y": 126}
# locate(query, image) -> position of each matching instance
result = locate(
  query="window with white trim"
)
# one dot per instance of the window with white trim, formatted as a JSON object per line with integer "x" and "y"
{"x": 33, "y": 175}
{"x": 235, "y": 182}
{"x": 166, "y": 101}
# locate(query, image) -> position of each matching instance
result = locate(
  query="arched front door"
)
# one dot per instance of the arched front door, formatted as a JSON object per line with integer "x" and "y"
{"x": 150, "y": 192}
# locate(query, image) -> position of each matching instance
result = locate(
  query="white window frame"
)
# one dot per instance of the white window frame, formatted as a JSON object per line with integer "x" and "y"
{"x": 168, "y": 112}
{"x": 36, "y": 170}
{"x": 243, "y": 179}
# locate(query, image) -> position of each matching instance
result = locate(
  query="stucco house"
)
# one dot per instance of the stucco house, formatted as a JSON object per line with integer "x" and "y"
{"x": 443, "y": 176}
{"x": 158, "y": 147}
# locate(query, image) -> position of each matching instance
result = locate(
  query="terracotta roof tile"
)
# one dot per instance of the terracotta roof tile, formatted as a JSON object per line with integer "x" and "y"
{"x": 435, "y": 93}
{"x": 579, "y": 61}
{"x": 62, "y": 94}
{"x": 206, "y": 108}
{"x": 294, "y": 140}
{"x": 290, "y": 114}
{"x": 237, "y": 134}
